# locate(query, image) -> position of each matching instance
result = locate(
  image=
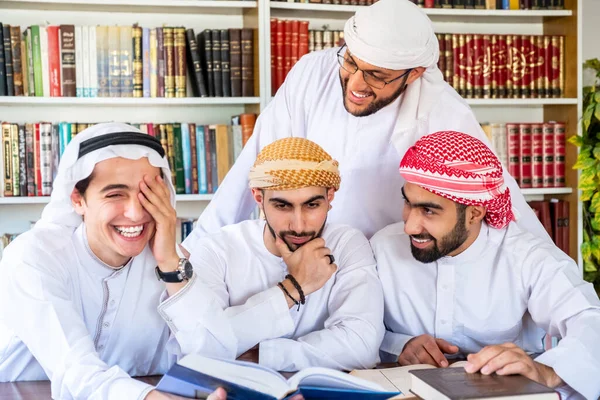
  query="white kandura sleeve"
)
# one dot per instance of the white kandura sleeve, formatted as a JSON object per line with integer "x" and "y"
{"x": 65, "y": 350}
{"x": 354, "y": 329}
{"x": 567, "y": 307}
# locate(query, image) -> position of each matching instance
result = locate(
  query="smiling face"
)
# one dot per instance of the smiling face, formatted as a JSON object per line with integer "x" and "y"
{"x": 117, "y": 225}
{"x": 296, "y": 216}
{"x": 438, "y": 227}
{"x": 362, "y": 100}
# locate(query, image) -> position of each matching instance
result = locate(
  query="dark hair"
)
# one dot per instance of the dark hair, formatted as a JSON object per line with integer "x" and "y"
{"x": 83, "y": 184}
{"x": 461, "y": 212}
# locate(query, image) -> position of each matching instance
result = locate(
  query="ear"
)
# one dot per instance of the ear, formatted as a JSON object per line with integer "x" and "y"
{"x": 258, "y": 196}
{"x": 78, "y": 202}
{"x": 475, "y": 214}
{"x": 330, "y": 194}
{"x": 415, "y": 74}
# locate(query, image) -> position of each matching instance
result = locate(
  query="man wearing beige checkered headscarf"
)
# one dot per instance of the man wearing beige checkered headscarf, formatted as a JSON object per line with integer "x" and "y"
{"x": 299, "y": 292}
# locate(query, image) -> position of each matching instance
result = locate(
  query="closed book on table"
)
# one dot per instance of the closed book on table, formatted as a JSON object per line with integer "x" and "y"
{"x": 456, "y": 383}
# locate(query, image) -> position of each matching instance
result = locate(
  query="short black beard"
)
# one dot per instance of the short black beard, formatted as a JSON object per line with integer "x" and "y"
{"x": 376, "y": 104}
{"x": 447, "y": 244}
{"x": 282, "y": 234}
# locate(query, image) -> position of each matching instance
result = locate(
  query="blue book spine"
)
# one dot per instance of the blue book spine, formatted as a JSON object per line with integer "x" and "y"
{"x": 64, "y": 136}
{"x": 201, "y": 158}
{"x": 146, "y": 61}
{"x": 186, "y": 148}
{"x": 213, "y": 158}
{"x": 506, "y": 4}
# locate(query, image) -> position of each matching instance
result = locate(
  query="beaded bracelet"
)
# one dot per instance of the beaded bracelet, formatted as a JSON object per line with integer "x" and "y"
{"x": 288, "y": 294}
{"x": 298, "y": 287}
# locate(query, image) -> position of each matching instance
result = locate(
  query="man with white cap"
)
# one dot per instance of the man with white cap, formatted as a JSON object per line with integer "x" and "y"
{"x": 366, "y": 103}
{"x": 80, "y": 302}
{"x": 303, "y": 290}
{"x": 461, "y": 279}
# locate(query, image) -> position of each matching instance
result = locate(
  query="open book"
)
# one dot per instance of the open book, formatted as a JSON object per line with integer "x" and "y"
{"x": 396, "y": 379}
{"x": 195, "y": 376}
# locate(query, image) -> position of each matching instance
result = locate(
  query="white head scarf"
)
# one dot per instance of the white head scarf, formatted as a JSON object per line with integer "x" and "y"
{"x": 398, "y": 35}
{"x": 60, "y": 211}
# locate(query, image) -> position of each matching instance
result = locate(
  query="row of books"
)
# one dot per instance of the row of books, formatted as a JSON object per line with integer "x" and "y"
{"x": 533, "y": 153}
{"x": 494, "y": 4}
{"x": 554, "y": 216}
{"x": 290, "y": 40}
{"x": 125, "y": 61}
{"x": 199, "y": 155}
{"x": 345, "y": 2}
{"x": 503, "y": 66}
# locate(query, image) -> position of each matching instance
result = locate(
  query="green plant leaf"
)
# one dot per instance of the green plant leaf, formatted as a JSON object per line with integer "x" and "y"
{"x": 586, "y": 252}
{"x": 595, "y": 247}
{"x": 576, "y": 140}
{"x": 586, "y": 195}
{"x": 597, "y": 111}
{"x": 591, "y": 186}
{"x": 595, "y": 206}
{"x": 587, "y": 118}
{"x": 595, "y": 224}
{"x": 596, "y": 152}
{"x": 588, "y": 175}
{"x": 585, "y": 163}
{"x": 592, "y": 63}
{"x": 597, "y": 97}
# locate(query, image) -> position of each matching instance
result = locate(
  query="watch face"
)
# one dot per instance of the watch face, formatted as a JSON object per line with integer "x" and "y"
{"x": 188, "y": 270}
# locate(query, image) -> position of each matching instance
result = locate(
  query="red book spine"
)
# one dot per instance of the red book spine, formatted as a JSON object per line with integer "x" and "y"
{"x": 548, "y": 162}
{"x": 566, "y": 224}
{"x": 525, "y": 155}
{"x": 516, "y": 65}
{"x": 468, "y": 65}
{"x": 442, "y": 45}
{"x": 478, "y": 66}
{"x": 502, "y": 61}
{"x": 559, "y": 154}
{"x": 279, "y": 54}
{"x": 295, "y": 41}
{"x": 512, "y": 142}
{"x": 53, "y": 61}
{"x": 273, "y": 56}
{"x": 38, "y": 161}
{"x": 457, "y": 54}
{"x": 547, "y": 67}
{"x": 429, "y": 3}
{"x": 287, "y": 48}
{"x": 526, "y": 72}
{"x": 303, "y": 39}
{"x": 486, "y": 66}
{"x": 537, "y": 153}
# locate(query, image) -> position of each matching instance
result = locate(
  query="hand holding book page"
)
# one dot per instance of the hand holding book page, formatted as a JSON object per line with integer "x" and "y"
{"x": 425, "y": 349}
{"x": 195, "y": 376}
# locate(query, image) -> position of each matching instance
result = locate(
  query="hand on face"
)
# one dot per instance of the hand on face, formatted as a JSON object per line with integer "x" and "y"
{"x": 155, "y": 198}
{"x": 309, "y": 264}
{"x": 426, "y": 349}
{"x": 509, "y": 359}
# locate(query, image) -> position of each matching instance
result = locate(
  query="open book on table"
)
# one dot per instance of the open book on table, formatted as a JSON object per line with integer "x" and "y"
{"x": 195, "y": 376}
{"x": 396, "y": 379}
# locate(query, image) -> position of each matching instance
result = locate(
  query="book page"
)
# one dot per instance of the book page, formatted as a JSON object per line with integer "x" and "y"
{"x": 395, "y": 379}
{"x": 329, "y": 378}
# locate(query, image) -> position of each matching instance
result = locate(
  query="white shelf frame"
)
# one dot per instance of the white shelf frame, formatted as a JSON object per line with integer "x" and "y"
{"x": 127, "y": 101}
{"x": 428, "y": 11}
{"x": 521, "y": 102}
{"x": 46, "y": 199}
{"x": 200, "y": 4}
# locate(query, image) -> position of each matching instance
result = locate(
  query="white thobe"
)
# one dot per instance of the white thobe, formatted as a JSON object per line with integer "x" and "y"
{"x": 68, "y": 317}
{"x": 508, "y": 286}
{"x": 341, "y": 324}
{"x": 310, "y": 105}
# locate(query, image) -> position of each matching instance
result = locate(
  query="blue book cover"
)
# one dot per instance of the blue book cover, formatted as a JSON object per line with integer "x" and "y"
{"x": 186, "y": 148}
{"x": 146, "y": 61}
{"x": 506, "y": 4}
{"x": 201, "y": 158}
{"x": 212, "y": 131}
{"x": 64, "y": 136}
{"x": 196, "y": 376}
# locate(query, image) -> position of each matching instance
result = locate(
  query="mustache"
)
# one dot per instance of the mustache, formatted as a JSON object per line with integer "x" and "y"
{"x": 422, "y": 236}
{"x": 296, "y": 234}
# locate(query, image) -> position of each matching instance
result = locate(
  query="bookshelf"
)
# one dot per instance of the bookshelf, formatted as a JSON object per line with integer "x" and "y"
{"x": 213, "y": 14}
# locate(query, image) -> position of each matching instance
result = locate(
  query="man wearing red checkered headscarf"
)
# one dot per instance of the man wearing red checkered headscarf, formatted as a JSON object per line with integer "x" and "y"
{"x": 461, "y": 280}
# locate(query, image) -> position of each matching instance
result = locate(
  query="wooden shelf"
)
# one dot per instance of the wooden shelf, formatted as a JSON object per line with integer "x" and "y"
{"x": 428, "y": 11}
{"x": 543, "y": 191}
{"x": 127, "y": 101}
{"x": 46, "y": 199}
{"x": 521, "y": 102}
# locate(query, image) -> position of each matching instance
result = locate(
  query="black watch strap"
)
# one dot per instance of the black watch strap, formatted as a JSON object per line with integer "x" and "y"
{"x": 183, "y": 272}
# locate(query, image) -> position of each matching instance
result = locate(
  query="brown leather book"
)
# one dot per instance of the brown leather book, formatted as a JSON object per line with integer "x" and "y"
{"x": 194, "y": 150}
{"x": 247, "y": 62}
{"x": 547, "y": 66}
{"x": 195, "y": 65}
{"x": 442, "y": 60}
{"x": 247, "y": 121}
{"x": 8, "y": 63}
{"x": 449, "y": 71}
{"x": 540, "y": 72}
{"x": 15, "y": 40}
{"x": 180, "y": 62}
{"x": 216, "y": 62}
{"x": 556, "y": 217}
{"x": 160, "y": 62}
{"x": 235, "y": 55}
{"x": 225, "y": 63}
{"x": 138, "y": 73}
{"x": 561, "y": 65}
{"x": 456, "y": 383}
{"x": 169, "y": 43}
{"x": 509, "y": 74}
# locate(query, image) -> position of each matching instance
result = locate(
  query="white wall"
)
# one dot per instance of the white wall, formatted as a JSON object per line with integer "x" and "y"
{"x": 591, "y": 34}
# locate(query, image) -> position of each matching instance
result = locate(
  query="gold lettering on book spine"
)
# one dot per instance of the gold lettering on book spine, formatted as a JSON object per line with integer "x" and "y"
{"x": 180, "y": 84}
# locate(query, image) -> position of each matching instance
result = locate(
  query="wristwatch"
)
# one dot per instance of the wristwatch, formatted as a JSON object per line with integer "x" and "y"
{"x": 183, "y": 272}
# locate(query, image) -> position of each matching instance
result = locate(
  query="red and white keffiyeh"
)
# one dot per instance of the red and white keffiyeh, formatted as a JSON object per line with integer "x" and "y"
{"x": 463, "y": 169}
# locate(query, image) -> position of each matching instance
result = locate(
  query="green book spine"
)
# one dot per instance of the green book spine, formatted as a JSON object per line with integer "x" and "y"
{"x": 179, "y": 173}
{"x": 37, "y": 61}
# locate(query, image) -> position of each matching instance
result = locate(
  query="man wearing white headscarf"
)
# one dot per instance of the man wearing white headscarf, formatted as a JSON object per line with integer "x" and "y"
{"x": 80, "y": 302}
{"x": 365, "y": 104}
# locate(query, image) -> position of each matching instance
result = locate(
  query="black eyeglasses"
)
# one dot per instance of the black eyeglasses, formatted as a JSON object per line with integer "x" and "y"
{"x": 350, "y": 66}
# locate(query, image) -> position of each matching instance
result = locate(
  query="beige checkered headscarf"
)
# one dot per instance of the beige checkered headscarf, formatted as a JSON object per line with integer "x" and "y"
{"x": 294, "y": 163}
